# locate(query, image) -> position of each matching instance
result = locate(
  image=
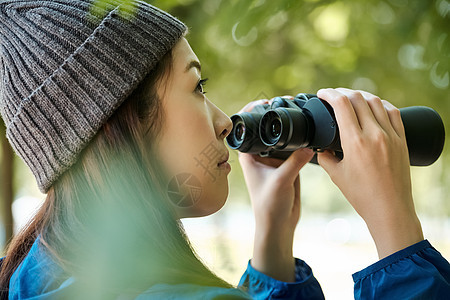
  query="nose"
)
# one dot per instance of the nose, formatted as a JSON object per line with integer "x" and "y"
{"x": 222, "y": 123}
{"x": 227, "y": 127}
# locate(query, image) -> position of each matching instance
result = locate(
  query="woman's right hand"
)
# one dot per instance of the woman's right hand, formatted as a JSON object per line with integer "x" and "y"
{"x": 274, "y": 189}
{"x": 374, "y": 174}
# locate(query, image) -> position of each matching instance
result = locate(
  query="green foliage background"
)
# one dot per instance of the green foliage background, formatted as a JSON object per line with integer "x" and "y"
{"x": 397, "y": 49}
{"x": 251, "y": 49}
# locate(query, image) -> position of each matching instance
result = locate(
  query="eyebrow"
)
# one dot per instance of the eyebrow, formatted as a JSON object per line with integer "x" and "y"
{"x": 193, "y": 64}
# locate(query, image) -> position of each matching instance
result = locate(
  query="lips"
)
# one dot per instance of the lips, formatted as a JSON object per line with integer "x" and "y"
{"x": 224, "y": 159}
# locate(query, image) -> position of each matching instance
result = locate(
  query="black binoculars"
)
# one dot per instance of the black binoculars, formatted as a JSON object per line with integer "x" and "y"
{"x": 278, "y": 129}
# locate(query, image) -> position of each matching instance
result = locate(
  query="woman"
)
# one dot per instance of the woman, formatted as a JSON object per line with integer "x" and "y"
{"x": 109, "y": 112}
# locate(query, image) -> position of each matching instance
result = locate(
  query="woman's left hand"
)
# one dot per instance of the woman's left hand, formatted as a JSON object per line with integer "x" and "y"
{"x": 274, "y": 188}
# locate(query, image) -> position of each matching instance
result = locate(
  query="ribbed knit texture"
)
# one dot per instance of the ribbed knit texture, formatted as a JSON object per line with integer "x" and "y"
{"x": 63, "y": 72}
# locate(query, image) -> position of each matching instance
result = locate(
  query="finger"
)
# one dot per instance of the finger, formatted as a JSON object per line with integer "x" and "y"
{"x": 249, "y": 106}
{"x": 297, "y": 187}
{"x": 248, "y": 164}
{"x": 269, "y": 161}
{"x": 363, "y": 112}
{"x": 246, "y": 159}
{"x": 297, "y": 200}
{"x": 343, "y": 110}
{"x": 254, "y": 164}
{"x": 328, "y": 162}
{"x": 284, "y": 97}
{"x": 289, "y": 169}
{"x": 378, "y": 110}
{"x": 256, "y": 159}
{"x": 395, "y": 118}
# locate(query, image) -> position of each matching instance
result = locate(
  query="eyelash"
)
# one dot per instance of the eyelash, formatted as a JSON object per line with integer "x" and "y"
{"x": 200, "y": 85}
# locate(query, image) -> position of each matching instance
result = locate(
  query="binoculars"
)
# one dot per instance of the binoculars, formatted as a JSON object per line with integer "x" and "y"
{"x": 278, "y": 129}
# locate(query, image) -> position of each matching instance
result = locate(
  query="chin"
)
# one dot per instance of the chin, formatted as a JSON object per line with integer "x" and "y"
{"x": 208, "y": 205}
{"x": 217, "y": 204}
{"x": 217, "y": 207}
{"x": 212, "y": 199}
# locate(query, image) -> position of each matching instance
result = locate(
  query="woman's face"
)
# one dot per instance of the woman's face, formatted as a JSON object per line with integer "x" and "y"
{"x": 191, "y": 143}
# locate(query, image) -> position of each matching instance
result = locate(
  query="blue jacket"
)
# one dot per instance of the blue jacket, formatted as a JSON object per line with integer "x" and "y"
{"x": 416, "y": 272}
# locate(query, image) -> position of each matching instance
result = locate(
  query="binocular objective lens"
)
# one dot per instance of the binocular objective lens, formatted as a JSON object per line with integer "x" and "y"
{"x": 275, "y": 128}
{"x": 240, "y": 132}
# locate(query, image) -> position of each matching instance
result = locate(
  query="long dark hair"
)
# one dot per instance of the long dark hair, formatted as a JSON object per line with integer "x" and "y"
{"x": 107, "y": 220}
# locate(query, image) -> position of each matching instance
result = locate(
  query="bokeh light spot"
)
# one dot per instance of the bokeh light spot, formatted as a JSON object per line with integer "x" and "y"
{"x": 439, "y": 80}
{"x": 411, "y": 57}
{"x": 332, "y": 22}
{"x": 245, "y": 40}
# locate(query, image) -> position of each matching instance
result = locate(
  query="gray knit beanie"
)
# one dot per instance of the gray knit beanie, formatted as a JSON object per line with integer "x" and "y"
{"x": 65, "y": 70}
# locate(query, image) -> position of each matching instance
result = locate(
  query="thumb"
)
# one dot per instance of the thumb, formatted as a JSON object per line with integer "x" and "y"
{"x": 327, "y": 161}
{"x": 289, "y": 168}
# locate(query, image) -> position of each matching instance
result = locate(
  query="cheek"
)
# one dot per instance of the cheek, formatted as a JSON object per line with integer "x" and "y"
{"x": 186, "y": 136}
{"x": 186, "y": 132}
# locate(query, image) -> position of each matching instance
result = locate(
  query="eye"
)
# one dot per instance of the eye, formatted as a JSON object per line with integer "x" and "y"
{"x": 200, "y": 85}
